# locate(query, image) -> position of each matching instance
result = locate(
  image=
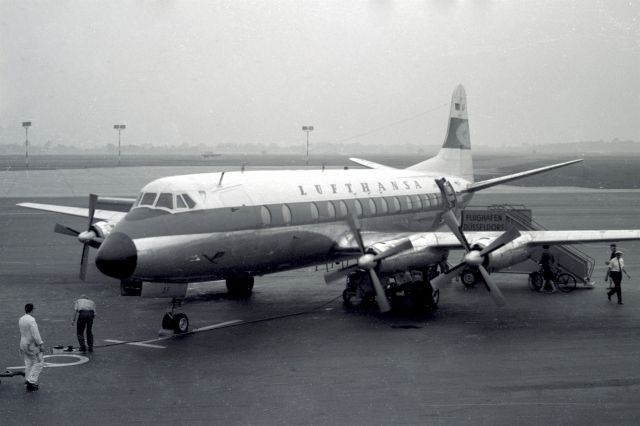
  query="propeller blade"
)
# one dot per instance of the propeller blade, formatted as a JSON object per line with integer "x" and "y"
{"x": 354, "y": 225}
{"x": 445, "y": 278}
{"x": 381, "y": 297}
{"x": 93, "y": 201}
{"x": 505, "y": 238}
{"x": 338, "y": 274}
{"x": 65, "y": 230}
{"x": 83, "y": 262}
{"x": 450, "y": 219}
{"x": 404, "y": 245}
{"x": 493, "y": 289}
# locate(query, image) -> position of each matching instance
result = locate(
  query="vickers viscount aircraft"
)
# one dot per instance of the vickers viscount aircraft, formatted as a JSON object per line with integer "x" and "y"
{"x": 234, "y": 226}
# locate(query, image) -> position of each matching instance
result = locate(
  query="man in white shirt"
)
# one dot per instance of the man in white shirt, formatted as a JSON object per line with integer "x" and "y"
{"x": 616, "y": 268}
{"x": 32, "y": 348}
{"x": 85, "y": 311}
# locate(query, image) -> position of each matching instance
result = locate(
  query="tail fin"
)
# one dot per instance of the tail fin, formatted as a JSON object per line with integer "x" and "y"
{"x": 454, "y": 158}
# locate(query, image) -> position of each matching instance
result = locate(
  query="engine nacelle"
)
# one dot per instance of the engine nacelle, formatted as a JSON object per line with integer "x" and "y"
{"x": 103, "y": 228}
{"x": 418, "y": 259}
{"x": 515, "y": 252}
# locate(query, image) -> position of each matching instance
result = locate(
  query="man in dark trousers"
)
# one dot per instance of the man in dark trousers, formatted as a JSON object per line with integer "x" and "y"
{"x": 616, "y": 268}
{"x": 547, "y": 260}
{"x": 85, "y": 311}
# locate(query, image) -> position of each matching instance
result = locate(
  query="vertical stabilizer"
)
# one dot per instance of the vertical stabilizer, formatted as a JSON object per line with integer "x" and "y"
{"x": 454, "y": 158}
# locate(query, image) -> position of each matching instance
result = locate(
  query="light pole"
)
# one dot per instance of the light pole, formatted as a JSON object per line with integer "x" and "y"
{"x": 307, "y": 129}
{"x": 119, "y": 128}
{"x": 26, "y": 125}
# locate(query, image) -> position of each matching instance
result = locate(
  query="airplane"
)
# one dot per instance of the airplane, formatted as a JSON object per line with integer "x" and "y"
{"x": 237, "y": 225}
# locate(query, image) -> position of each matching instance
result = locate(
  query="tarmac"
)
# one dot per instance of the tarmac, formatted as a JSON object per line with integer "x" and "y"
{"x": 292, "y": 354}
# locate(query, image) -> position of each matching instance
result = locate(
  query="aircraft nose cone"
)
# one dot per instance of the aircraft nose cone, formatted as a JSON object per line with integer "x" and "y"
{"x": 117, "y": 256}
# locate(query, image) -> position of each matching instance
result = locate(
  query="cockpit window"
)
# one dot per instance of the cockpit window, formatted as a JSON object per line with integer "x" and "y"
{"x": 148, "y": 198}
{"x": 180, "y": 204}
{"x": 189, "y": 201}
{"x": 165, "y": 200}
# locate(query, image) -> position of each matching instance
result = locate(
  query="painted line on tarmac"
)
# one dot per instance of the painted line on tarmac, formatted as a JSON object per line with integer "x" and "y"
{"x": 149, "y": 343}
{"x": 79, "y": 359}
{"x": 142, "y": 344}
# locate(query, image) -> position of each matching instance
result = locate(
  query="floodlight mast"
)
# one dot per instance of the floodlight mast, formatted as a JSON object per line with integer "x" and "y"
{"x": 119, "y": 128}
{"x": 26, "y": 125}
{"x": 307, "y": 129}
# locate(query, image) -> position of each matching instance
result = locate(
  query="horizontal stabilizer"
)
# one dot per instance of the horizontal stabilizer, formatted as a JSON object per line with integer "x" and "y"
{"x": 504, "y": 179}
{"x": 369, "y": 164}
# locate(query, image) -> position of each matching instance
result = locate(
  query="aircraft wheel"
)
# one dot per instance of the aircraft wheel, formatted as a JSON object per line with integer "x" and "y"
{"x": 240, "y": 286}
{"x": 435, "y": 299}
{"x": 468, "y": 278}
{"x": 167, "y": 321}
{"x": 347, "y": 295}
{"x": 180, "y": 323}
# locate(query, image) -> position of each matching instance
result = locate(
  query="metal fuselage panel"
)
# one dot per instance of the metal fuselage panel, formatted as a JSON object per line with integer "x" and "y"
{"x": 218, "y": 239}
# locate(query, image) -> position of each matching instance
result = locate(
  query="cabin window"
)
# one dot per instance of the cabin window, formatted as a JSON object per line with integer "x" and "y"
{"x": 331, "y": 210}
{"x": 286, "y": 214}
{"x": 383, "y": 207}
{"x": 407, "y": 202}
{"x": 315, "y": 213}
{"x": 358, "y": 205}
{"x": 372, "y": 207}
{"x": 180, "y": 204}
{"x": 457, "y": 106}
{"x": 394, "y": 205}
{"x": 425, "y": 201}
{"x": 415, "y": 200}
{"x": 148, "y": 199}
{"x": 189, "y": 201}
{"x": 342, "y": 209}
{"x": 265, "y": 215}
{"x": 165, "y": 200}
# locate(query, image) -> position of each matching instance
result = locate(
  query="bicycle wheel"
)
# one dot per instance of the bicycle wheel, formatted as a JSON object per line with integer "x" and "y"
{"x": 535, "y": 281}
{"x": 565, "y": 282}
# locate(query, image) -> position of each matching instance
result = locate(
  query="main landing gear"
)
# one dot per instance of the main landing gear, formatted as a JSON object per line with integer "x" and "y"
{"x": 176, "y": 321}
{"x": 240, "y": 286}
{"x": 405, "y": 289}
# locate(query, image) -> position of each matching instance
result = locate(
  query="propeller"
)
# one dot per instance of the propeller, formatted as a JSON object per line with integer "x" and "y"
{"x": 475, "y": 258}
{"x": 368, "y": 262}
{"x": 88, "y": 238}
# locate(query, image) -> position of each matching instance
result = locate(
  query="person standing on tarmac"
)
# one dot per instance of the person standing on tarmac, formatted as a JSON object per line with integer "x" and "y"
{"x": 547, "y": 260}
{"x": 85, "y": 311}
{"x": 32, "y": 348}
{"x": 616, "y": 268}
{"x": 613, "y": 248}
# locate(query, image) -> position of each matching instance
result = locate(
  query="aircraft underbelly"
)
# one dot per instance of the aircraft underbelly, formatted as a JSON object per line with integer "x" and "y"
{"x": 218, "y": 256}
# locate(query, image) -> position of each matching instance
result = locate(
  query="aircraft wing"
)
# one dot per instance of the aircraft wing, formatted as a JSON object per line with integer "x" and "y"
{"x": 108, "y": 215}
{"x": 477, "y": 186}
{"x": 369, "y": 164}
{"x": 447, "y": 240}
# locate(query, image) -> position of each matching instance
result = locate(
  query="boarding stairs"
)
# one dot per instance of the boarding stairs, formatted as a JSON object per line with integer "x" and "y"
{"x": 568, "y": 258}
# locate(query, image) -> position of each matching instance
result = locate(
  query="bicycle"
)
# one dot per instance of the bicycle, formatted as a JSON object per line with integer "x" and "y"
{"x": 564, "y": 281}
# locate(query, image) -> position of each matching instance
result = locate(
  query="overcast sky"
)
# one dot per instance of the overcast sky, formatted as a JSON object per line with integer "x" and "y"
{"x": 377, "y": 71}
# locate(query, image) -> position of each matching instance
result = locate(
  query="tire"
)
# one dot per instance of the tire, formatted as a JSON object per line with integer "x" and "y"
{"x": 565, "y": 282}
{"x": 240, "y": 286}
{"x": 469, "y": 278}
{"x": 347, "y": 295}
{"x": 535, "y": 281}
{"x": 180, "y": 323}
{"x": 167, "y": 321}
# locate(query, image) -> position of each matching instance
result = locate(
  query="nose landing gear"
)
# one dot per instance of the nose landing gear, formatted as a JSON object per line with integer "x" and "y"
{"x": 178, "y": 322}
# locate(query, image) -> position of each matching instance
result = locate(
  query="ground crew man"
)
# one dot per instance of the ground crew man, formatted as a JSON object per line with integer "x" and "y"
{"x": 547, "y": 260}
{"x": 32, "y": 348}
{"x": 85, "y": 311}
{"x": 616, "y": 268}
